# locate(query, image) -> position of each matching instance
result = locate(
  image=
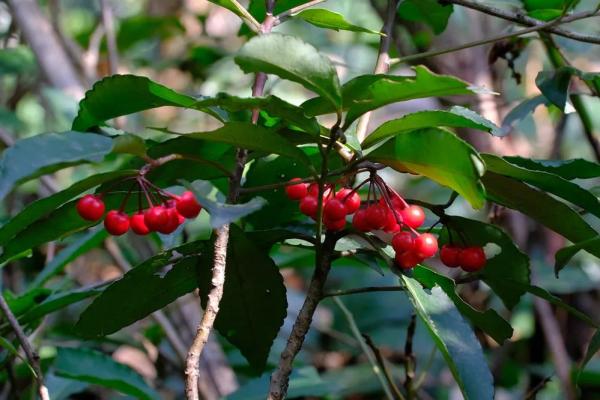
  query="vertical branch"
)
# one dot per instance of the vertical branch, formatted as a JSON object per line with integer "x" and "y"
{"x": 32, "y": 356}
{"x": 383, "y": 61}
{"x": 389, "y": 377}
{"x": 108, "y": 21}
{"x": 409, "y": 358}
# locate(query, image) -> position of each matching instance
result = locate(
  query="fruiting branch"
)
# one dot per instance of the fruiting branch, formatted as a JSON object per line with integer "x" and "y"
{"x": 367, "y": 289}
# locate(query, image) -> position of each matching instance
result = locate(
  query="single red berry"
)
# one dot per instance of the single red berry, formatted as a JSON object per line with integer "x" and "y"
{"x": 359, "y": 221}
{"x": 426, "y": 245}
{"x": 309, "y": 205}
{"x": 156, "y": 217}
{"x": 450, "y": 255}
{"x": 407, "y": 259}
{"x": 90, "y": 207}
{"x": 172, "y": 222}
{"x": 296, "y": 191}
{"x": 413, "y": 216}
{"x": 403, "y": 241}
{"x": 334, "y": 210}
{"x": 472, "y": 259}
{"x": 136, "y": 221}
{"x": 376, "y": 216}
{"x": 116, "y": 222}
{"x": 350, "y": 199}
{"x": 187, "y": 205}
{"x": 392, "y": 225}
{"x": 335, "y": 224}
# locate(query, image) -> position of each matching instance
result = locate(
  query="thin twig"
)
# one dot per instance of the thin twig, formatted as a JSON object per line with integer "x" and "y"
{"x": 383, "y": 61}
{"x": 356, "y": 332}
{"x": 111, "y": 41}
{"x": 383, "y": 365}
{"x": 246, "y": 16}
{"x": 32, "y": 356}
{"x": 367, "y": 289}
{"x": 295, "y": 10}
{"x": 409, "y": 358}
{"x": 523, "y": 19}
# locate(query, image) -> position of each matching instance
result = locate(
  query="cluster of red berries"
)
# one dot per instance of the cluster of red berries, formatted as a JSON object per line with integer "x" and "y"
{"x": 169, "y": 212}
{"x": 470, "y": 258}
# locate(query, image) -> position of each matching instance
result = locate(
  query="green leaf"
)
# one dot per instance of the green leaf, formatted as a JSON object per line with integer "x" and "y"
{"x": 62, "y": 388}
{"x": 564, "y": 255}
{"x": 368, "y": 92}
{"x": 128, "y": 143}
{"x": 253, "y": 137}
{"x": 119, "y": 95}
{"x": 454, "y": 338}
{"x": 431, "y": 12}
{"x": 222, "y": 213}
{"x": 576, "y": 168}
{"x": 504, "y": 271}
{"x": 99, "y": 369}
{"x": 592, "y": 349}
{"x": 554, "y": 85}
{"x": 547, "y": 10}
{"x": 8, "y": 346}
{"x": 331, "y": 20}
{"x": 488, "y": 321}
{"x": 546, "y": 181}
{"x": 439, "y": 155}
{"x": 290, "y": 58}
{"x": 521, "y": 111}
{"x": 43, "y": 207}
{"x": 148, "y": 287}
{"x": 541, "y": 207}
{"x": 254, "y": 302}
{"x": 17, "y": 60}
{"x": 24, "y": 160}
{"x": 456, "y": 117}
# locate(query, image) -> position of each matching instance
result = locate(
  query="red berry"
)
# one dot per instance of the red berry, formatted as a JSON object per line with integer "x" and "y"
{"x": 90, "y": 207}
{"x": 426, "y": 245}
{"x": 138, "y": 225}
{"x": 359, "y": 221}
{"x": 172, "y": 222}
{"x": 335, "y": 224}
{"x": 450, "y": 255}
{"x": 187, "y": 205}
{"x": 116, "y": 222}
{"x": 350, "y": 199}
{"x": 407, "y": 259}
{"x": 309, "y": 205}
{"x": 413, "y": 216}
{"x": 334, "y": 210}
{"x": 403, "y": 241}
{"x": 313, "y": 190}
{"x": 472, "y": 259}
{"x": 156, "y": 217}
{"x": 376, "y": 216}
{"x": 296, "y": 191}
{"x": 392, "y": 225}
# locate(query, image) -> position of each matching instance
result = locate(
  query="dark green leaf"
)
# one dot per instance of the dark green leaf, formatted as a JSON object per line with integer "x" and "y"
{"x": 290, "y": 58}
{"x": 134, "y": 94}
{"x": 99, "y": 369}
{"x": 431, "y": 12}
{"x": 368, "y": 92}
{"x": 19, "y": 305}
{"x": 439, "y": 155}
{"x": 564, "y": 255}
{"x": 505, "y": 271}
{"x": 546, "y": 181}
{"x": 62, "y": 388}
{"x": 543, "y": 208}
{"x": 454, "y": 338}
{"x": 554, "y": 85}
{"x": 547, "y": 10}
{"x": 43, "y": 207}
{"x": 456, "y": 117}
{"x": 577, "y": 168}
{"x": 148, "y": 287}
{"x": 254, "y": 301}
{"x": 330, "y": 20}
{"x": 24, "y": 160}
{"x": 591, "y": 351}
{"x": 8, "y": 346}
{"x": 488, "y": 321}
{"x": 521, "y": 111}
{"x": 129, "y": 144}
{"x": 17, "y": 60}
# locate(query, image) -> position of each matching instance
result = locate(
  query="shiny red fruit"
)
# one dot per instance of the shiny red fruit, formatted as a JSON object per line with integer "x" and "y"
{"x": 359, "y": 221}
{"x": 403, "y": 241}
{"x": 413, "y": 216}
{"x": 187, "y": 205}
{"x": 116, "y": 222}
{"x": 156, "y": 217}
{"x": 335, "y": 224}
{"x": 296, "y": 191}
{"x": 426, "y": 245}
{"x": 407, "y": 259}
{"x": 350, "y": 199}
{"x": 309, "y": 205}
{"x": 450, "y": 255}
{"x": 334, "y": 210}
{"x": 313, "y": 190}
{"x": 136, "y": 221}
{"x": 172, "y": 222}
{"x": 392, "y": 225}
{"x": 376, "y": 216}
{"x": 90, "y": 207}
{"x": 472, "y": 259}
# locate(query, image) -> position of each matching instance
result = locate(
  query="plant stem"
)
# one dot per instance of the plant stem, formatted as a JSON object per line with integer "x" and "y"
{"x": 32, "y": 356}
{"x": 367, "y": 289}
{"x": 383, "y": 365}
{"x": 252, "y": 23}
{"x": 409, "y": 358}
